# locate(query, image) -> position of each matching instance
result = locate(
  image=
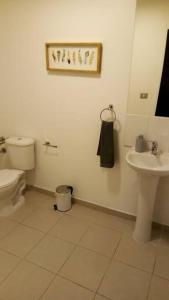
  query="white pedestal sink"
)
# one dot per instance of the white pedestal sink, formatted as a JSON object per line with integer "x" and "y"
{"x": 149, "y": 168}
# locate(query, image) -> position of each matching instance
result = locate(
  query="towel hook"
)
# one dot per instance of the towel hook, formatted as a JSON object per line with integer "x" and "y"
{"x": 110, "y": 108}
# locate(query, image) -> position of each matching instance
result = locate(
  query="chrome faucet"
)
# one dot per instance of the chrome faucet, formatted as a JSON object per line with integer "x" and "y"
{"x": 2, "y": 140}
{"x": 154, "y": 148}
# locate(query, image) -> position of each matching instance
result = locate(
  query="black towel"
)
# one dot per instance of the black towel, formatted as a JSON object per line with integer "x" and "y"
{"x": 106, "y": 145}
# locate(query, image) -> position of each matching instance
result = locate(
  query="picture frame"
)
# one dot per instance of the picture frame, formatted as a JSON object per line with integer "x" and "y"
{"x": 74, "y": 57}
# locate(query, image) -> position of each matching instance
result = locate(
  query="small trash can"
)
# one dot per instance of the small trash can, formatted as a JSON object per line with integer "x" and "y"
{"x": 63, "y": 197}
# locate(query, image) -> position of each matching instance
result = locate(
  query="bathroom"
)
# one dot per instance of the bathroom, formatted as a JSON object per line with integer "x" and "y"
{"x": 64, "y": 109}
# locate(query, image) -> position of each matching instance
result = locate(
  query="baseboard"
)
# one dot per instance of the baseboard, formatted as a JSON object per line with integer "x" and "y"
{"x": 40, "y": 190}
{"x": 97, "y": 207}
{"x": 85, "y": 203}
{"x": 104, "y": 209}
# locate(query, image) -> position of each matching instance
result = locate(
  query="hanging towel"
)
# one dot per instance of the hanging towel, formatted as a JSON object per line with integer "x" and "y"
{"x": 106, "y": 145}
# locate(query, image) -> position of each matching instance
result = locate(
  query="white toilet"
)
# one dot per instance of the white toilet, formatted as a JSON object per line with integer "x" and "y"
{"x": 20, "y": 151}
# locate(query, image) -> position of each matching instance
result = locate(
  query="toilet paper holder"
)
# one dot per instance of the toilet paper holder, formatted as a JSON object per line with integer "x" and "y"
{"x": 48, "y": 144}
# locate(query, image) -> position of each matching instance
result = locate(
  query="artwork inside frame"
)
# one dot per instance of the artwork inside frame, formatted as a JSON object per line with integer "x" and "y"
{"x": 74, "y": 57}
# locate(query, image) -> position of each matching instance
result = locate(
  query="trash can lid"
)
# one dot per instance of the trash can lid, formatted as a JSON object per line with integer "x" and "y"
{"x": 62, "y": 189}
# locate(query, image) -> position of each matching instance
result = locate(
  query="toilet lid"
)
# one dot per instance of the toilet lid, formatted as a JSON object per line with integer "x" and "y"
{"x": 7, "y": 177}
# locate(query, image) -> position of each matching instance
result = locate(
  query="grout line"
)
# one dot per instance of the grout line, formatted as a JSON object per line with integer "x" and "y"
{"x": 131, "y": 266}
{"x": 76, "y": 283}
{"x": 150, "y": 282}
{"x": 62, "y": 239}
{"x": 19, "y": 221}
{"x": 118, "y": 244}
{"x": 73, "y": 250}
{"x": 36, "y": 264}
{"x": 94, "y": 251}
{"x": 21, "y": 259}
{"x": 160, "y": 276}
{"x": 105, "y": 297}
{"x": 44, "y": 235}
{"x": 3, "y": 280}
{"x": 108, "y": 265}
{"x": 75, "y": 246}
{"x": 31, "y": 227}
{"x": 95, "y": 223}
{"x": 56, "y": 274}
{"x": 47, "y": 287}
{"x": 110, "y": 261}
{"x": 1, "y": 238}
{"x": 36, "y": 229}
{"x": 87, "y": 229}
{"x": 11, "y": 253}
{"x": 62, "y": 276}
{"x": 155, "y": 262}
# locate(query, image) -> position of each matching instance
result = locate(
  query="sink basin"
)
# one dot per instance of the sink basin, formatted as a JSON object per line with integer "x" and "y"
{"x": 149, "y": 169}
{"x": 147, "y": 163}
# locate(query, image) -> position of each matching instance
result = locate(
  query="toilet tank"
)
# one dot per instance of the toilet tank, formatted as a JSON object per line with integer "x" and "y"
{"x": 21, "y": 152}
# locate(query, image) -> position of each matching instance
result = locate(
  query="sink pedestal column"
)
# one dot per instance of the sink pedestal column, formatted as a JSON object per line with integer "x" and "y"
{"x": 145, "y": 207}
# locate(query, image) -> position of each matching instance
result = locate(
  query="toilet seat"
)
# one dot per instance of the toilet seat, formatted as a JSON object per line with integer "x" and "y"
{"x": 8, "y": 177}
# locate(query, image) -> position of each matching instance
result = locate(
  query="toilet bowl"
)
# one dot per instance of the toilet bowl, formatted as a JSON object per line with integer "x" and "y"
{"x": 12, "y": 184}
{"x": 12, "y": 181}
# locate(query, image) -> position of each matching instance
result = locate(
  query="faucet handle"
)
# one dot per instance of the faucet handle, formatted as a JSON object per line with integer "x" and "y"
{"x": 2, "y": 140}
{"x": 154, "y": 147}
{"x": 154, "y": 144}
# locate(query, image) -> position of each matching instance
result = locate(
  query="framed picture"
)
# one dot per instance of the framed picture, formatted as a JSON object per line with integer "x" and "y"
{"x": 74, "y": 57}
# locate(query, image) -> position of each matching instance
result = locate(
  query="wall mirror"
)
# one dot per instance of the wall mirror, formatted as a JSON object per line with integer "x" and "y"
{"x": 150, "y": 60}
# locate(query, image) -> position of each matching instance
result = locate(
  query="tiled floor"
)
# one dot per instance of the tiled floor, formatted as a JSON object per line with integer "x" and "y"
{"x": 83, "y": 254}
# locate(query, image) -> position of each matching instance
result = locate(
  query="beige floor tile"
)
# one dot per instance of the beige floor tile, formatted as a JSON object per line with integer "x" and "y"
{"x": 7, "y": 263}
{"x": 51, "y": 253}
{"x": 125, "y": 283}
{"x": 102, "y": 240}
{"x": 82, "y": 212}
{"x": 38, "y": 200}
{"x": 27, "y": 282}
{"x": 162, "y": 262}
{"x": 159, "y": 289}
{"x": 22, "y": 213}
{"x": 85, "y": 267}
{"x": 93, "y": 216}
{"x": 114, "y": 222}
{"x": 69, "y": 228}
{"x": 42, "y": 219}
{"x": 62, "y": 289}
{"x": 6, "y": 226}
{"x": 20, "y": 240}
{"x": 139, "y": 255}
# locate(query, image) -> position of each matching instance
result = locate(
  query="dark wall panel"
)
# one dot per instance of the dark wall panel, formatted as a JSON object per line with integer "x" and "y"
{"x": 162, "y": 108}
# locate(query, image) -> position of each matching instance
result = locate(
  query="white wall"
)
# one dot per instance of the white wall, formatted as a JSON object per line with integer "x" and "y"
{"x": 66, "y": 108}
